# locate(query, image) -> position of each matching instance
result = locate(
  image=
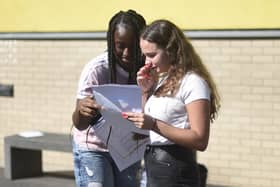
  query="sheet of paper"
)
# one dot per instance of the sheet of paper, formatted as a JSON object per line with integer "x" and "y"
{"x": 116, "y": 132}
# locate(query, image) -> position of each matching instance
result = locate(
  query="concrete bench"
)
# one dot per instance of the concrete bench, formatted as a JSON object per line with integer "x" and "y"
{"x": 23, "y": 156}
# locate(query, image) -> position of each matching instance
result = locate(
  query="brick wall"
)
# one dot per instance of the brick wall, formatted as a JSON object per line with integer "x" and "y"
{"x": 45, "y": 77}
{"x": 244, "y": 146}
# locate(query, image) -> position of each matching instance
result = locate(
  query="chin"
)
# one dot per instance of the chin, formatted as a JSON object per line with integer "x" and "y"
{"x": 125, "y": 61}
{"x": 159, "y": 70}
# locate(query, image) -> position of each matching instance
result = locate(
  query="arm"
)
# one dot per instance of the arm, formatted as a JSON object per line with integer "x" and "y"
{"x": 84, "y": 113}
{"x": 145, "y": 80}
{"x": 86, "y": 108}
{"x": 196, "y": 137}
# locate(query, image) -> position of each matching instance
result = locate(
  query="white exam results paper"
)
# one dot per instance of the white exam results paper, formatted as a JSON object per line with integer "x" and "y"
{"x": 115, "y": 131}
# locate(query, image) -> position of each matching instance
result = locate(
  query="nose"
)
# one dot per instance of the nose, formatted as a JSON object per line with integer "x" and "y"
{"x": 126, "y": 52}
{"x": 147, "y": 61}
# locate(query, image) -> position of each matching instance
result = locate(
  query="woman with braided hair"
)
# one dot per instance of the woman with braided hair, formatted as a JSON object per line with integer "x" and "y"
{"x": 93, "y": 165}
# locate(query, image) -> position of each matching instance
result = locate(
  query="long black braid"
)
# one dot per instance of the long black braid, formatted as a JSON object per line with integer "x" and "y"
{"x": 135, "y": 21}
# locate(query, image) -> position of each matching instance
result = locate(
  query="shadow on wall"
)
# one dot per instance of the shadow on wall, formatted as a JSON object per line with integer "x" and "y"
{"x": 203, "y": 177}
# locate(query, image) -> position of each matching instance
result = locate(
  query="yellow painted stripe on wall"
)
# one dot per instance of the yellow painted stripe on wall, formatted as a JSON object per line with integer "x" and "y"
{"x": 93, "y": 15}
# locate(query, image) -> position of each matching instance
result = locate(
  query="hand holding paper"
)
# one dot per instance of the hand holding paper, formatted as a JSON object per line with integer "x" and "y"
{"x": 140, "y": 120}
{"x": 115, "y": 130}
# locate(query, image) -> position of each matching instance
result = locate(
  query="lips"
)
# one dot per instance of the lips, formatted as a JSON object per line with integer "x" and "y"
{"x": 126, "y": 59}
{"x": 153, "y": 66}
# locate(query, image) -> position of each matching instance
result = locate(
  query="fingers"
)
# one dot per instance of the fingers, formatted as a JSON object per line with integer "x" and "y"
{"x": 139, "y": 125}
{"x": 145, "y": 71}
{"x": 145, "y": 77}
{"x": 140, "y": 120}
{"x": 88, "y": 107}
{"x": 132, "y": 115}
{"x": 88, "y": 112}
{"x": 137, "y": 118}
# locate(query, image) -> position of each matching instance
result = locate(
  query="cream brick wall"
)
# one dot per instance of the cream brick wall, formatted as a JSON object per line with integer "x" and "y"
{"x": 244, "y": 146}
{"x": 45, "y": 76}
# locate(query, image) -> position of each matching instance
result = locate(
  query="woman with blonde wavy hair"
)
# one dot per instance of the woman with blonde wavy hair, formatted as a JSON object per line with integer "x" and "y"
{"x": 180, "y": 100}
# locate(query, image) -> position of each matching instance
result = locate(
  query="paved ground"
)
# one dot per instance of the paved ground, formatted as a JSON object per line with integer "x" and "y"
{"x": 52, "y": 179}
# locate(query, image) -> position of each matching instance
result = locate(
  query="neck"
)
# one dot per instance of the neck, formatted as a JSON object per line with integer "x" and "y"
{"x": 162, "y": 74}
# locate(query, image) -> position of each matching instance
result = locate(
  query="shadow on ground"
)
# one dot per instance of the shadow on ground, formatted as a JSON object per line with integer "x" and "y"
{"x": 61, "y": 174}
{"x": 49, "y": 179}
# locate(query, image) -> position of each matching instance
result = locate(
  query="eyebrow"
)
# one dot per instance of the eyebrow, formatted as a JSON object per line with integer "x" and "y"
{"x": 150, "y": 53}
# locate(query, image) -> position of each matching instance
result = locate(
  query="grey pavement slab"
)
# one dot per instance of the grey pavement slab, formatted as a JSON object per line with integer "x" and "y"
{"x": 48, "y": 179}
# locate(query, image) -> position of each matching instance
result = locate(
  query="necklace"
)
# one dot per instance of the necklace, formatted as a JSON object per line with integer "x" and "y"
{"x": 161, "y": 78}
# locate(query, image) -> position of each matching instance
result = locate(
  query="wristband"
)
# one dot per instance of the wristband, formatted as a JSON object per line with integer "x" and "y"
{"x": 154, "y": 121}
{"x": 96, "y": 118}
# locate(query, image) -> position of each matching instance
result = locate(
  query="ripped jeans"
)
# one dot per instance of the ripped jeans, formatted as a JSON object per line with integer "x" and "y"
{"x": 97, "y": 169}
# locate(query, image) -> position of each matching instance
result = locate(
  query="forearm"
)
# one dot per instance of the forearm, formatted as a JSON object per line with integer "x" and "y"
{"x": 185, "y": 137}
{"x": 75, "y": 118}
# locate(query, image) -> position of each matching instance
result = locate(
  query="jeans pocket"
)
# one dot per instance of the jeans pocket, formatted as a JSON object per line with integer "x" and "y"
{"x": 159, "y": 164}
{"x": 160, "y": 169}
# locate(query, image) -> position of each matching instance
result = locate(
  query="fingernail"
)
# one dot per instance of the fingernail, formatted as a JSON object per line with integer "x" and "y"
{"x": 124, "y": 115}
{"x": 148, "y": 65}
{"x": 147, "y": 76}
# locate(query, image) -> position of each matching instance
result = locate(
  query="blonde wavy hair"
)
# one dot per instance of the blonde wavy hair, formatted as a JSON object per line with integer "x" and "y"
{"x": 183, "y": 57}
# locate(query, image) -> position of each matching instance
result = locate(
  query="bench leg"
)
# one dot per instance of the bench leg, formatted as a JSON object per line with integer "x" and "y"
{"x": 21, "y": 163}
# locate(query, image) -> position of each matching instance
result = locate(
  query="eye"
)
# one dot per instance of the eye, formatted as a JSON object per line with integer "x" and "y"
{"x": 150, "y": 55}
{"x": 120, "y": 46}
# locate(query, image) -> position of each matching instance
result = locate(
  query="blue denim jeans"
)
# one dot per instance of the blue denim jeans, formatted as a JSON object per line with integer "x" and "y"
{"x": 97, "y": 169}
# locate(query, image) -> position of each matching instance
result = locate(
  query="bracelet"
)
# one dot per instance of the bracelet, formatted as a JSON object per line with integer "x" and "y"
{"x": 96, "y": 118}
{"x": 154, "y": 123}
